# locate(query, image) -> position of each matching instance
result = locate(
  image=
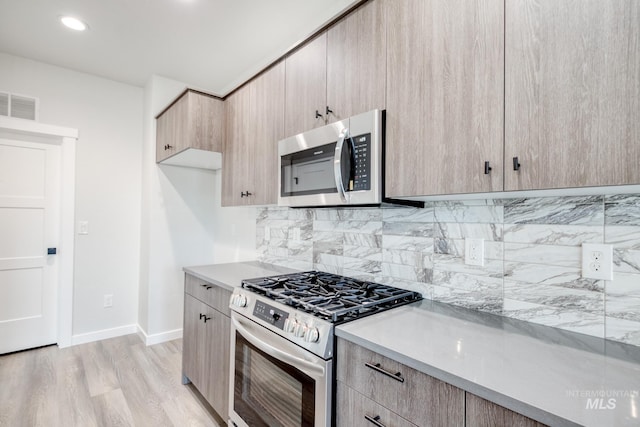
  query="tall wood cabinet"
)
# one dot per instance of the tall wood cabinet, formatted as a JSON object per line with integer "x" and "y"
{"x": 194, "y": 120}
{"x": 205, "y": 342}
{"x": 356, "y": 56}
{"x": 339, "y": 73}
{"x": 572, "y": 100}
{"x": 445, "y": 97}
{"x": 255, "y": 124}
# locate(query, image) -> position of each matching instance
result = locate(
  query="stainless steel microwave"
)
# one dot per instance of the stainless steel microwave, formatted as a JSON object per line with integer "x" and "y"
{"x": 339, "y": 164}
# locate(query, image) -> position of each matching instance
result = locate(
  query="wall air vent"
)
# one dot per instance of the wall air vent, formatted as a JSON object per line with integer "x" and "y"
{"x": 18, "y": 106}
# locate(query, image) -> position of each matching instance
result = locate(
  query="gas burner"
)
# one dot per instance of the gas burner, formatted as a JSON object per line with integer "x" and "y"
{"x": 329, "y": 296}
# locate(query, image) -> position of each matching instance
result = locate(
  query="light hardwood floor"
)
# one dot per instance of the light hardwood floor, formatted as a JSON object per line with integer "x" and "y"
{"x": 115, "y": 382}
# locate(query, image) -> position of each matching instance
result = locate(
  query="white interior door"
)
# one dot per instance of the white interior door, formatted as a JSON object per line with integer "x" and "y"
{"x": 29, "y": 225}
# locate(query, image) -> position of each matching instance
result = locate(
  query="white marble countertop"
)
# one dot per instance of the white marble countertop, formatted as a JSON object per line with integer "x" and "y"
{"x": 230, "y": 275}
{"x": 516, "y": 367}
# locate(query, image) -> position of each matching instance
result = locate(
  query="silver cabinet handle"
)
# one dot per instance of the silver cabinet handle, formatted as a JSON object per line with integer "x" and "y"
{"x": 397, "y": 376}
{"x": 337, "y": 164}
{"x": 374, "y": 420}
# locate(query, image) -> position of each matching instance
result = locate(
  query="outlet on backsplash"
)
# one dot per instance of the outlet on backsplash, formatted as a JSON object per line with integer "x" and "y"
{"x": 474, "y": 251}
{"x": 597, "y": 261}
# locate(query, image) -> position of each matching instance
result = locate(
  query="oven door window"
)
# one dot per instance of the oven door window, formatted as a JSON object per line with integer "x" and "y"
{"x": 268, "y": 392}
{"x": 308, "y": 172}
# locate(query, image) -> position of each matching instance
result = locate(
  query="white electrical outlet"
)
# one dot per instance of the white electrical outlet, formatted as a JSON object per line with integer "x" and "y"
{"x": 474, "y": 251}
{"x": 597, "y": 261}
{"x": 108, "y": 300}
{"x": 267, "y": 233}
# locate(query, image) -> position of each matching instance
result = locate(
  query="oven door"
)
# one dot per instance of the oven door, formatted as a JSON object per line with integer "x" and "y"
{"x": 275, "y": 383}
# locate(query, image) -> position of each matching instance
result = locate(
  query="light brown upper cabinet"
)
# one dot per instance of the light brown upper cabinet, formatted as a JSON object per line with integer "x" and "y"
{"x": 194, "y": 121}
{"x": 339, "y": 73}
{"x": 572, "y": 99}
{"x": 255, "y": 124}
{"x": 306, "y": 87}
{"x": 445, "y": 97}
{"x": 356, "y": 56}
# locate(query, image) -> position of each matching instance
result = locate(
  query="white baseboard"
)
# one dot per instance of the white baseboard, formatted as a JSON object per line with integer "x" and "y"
{"x": 104, "y": 334}
{"x": 158, "y": 338}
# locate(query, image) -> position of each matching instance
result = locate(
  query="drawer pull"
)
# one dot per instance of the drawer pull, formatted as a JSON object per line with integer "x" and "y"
{"x": 397, "y": 376}
{"x": 374, "y": 420}
{"x": 207, "y": 287}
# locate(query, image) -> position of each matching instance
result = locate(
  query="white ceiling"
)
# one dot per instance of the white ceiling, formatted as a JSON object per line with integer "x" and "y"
{"x": 213, "y": 45}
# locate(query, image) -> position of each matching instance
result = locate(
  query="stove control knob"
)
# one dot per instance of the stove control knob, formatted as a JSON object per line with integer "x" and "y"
{"x": 239, "y": 300}
{"x": 299, "y": 330}
{"x": 312, "y": 335}
{"x": 289, "y": 325}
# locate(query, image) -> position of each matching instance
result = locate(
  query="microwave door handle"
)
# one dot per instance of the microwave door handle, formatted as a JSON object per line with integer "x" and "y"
{"x": 337, "y": 166}
{"x": 305, "y": 366}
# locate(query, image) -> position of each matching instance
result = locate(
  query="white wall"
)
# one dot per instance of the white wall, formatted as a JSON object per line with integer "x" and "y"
{"x": 108, "y": 116}
{"x": 182, "y": 224}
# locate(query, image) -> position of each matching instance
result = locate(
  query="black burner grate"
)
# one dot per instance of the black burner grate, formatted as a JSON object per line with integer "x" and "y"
{"x": 330, "y": 296}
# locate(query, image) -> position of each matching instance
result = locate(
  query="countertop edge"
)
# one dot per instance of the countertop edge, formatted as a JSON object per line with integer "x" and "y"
{"x": 208, "y": 279}
{"x": 469, "y": 386}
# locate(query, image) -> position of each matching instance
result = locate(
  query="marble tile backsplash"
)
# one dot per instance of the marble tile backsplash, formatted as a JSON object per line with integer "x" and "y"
{"x": 532, "y": 268}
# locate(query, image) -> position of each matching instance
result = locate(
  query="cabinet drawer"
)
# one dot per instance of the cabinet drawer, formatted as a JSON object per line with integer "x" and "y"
{"x": 413, "y": 395}
{"x": 210, "y": 294}
{"x": 355, "y": 410}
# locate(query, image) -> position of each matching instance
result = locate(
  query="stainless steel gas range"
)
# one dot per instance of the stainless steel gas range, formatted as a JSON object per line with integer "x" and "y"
{"x": 282, "y": 344}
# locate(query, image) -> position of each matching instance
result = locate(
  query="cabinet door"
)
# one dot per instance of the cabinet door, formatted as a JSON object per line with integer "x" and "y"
{"x": 216, "y": 338}
{"x": 235, "y": 166}
{"x": 482, "y": 413}
{"x": 572, "y": 93}
{"x": 356, "y": 62}
{"x": 306, "y": 86}
{"x": 206, "y": 122}
{"x": 445, "y": 96}
{"x": 266, "y": 129}
{"x": 171, "y": 129}
{"x": 192, "y": 343}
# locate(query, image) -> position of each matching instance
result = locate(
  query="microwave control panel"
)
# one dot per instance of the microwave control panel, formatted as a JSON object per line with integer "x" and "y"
{"x": 362, "y": 178}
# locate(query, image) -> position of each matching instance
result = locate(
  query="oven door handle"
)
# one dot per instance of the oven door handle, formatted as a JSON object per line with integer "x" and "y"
{"x": 299, "y": 363}
{"x": 337, "y": 165}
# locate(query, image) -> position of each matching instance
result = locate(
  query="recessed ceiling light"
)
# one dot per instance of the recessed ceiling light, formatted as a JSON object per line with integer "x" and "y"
{"x": 73, "y": 23}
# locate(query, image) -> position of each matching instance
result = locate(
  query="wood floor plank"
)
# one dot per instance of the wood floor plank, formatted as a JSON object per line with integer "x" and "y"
{"x": 144, "y": 401}
{"x": 100, "y": 373}
{"x": 12, "y": 370}
{"x": 40, "y": 407}
{"x": 73, "y": 398}
{"x": 112, "y": 409}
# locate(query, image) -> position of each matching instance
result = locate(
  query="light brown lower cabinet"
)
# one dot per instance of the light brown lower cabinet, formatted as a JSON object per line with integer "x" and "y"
{"x": 205, "y": 348}
{"x": 482, "y": 413}
{"x": 416, "y": 397}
